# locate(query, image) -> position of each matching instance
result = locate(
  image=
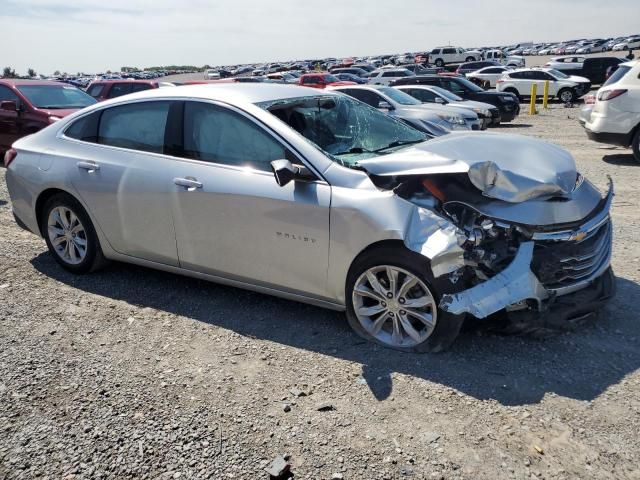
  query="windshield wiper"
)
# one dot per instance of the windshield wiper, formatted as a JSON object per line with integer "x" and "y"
{"x": 398, "y": 143}
{"x": 355, "y": 150}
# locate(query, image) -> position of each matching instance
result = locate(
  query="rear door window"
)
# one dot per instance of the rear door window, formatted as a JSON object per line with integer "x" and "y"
{"x": 139, "y": 87}
{"x": 85, "y": 128}
{"x": 138, "y": 126}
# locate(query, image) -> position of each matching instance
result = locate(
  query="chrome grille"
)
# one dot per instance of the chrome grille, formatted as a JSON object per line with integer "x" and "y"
{"x": 559, "y": 264}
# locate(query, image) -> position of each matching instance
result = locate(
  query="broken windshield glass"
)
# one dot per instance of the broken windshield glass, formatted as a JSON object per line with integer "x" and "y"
{"x": 343, "y": 128}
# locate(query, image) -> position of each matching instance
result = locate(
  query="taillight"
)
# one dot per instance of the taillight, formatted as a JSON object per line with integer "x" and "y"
{"x": 610, "y": 94}
{"x": 589, "y": 99}
{"x": 9, "y": 156}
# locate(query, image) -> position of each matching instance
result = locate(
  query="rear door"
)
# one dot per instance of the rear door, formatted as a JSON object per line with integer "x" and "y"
{"x": 122, "y": 174}
{"x": 232, "y": 218}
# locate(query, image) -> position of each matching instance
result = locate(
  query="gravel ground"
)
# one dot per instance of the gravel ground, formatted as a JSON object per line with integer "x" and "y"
{"x": 132, "y": 373}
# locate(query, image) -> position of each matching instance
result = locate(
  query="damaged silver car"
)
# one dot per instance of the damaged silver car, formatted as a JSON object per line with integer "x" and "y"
{"x": 317, "y": 197}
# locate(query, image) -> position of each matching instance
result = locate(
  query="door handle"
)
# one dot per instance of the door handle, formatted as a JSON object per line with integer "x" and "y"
{"x": 88, "y": 166}
{"x": 189, "y": 183}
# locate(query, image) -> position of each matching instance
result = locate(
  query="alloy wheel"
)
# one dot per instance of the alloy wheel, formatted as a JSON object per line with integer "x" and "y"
{"x": 67, "y": 235}
{"x": 394, "y": 306}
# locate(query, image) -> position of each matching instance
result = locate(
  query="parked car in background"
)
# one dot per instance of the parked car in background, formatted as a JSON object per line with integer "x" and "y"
{"x": 615, "y": 117}
{"x": 487, "y": 113}
{"x": 565, "y": 62}
{"x": 440, "y": 56}
{"x": 593, "y": 68}
{"x": 631, "y": 42}
{"x": 27, "y": 106}
{"x": 349, "y": 77}
{"x": 321, "y": 80}
{"x": 385, "y": 76}
{"x": 358, "y": 212}
{"x": 508, "y": 60}
{"x": 105, "y": 89}
{"x": 419, "y": 69}
{"x": 488, "y": 76}
{"x": 507, "y": 103}
{"x": 406, "y": 108}
{"x": 564, "y": 87}
{"x": 595, "y": 47}
{"x": 283, "y": 77}
{"x": 360, "y": 72}
{"x": 211, "y": 74}
{"x": 468, "y": 67}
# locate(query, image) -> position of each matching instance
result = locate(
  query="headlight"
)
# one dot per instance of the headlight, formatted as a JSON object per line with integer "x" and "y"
{"x": 53, "y": 119}
{"x": 454, "y": 119}
{"x": 483, "y": 112}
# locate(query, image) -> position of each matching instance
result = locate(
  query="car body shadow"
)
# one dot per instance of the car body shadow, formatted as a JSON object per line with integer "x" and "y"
{"x": 622, "y": 159}
{"x": 515, "y": 125}
{"x": 511, "y": 370}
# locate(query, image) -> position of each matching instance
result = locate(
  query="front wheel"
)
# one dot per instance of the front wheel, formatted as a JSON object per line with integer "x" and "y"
{"x": 439, "y": 62}
{"x": 70, "y": 235}
{"x": 470, "y": 59}
{"x": 392, "y": 299}
{"x": 567, "y": 95}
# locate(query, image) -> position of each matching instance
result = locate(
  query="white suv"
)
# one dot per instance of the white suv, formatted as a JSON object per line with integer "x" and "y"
{"x": 566, "y": 88}
{"x": 384, "y": 76}
{"x": 615, "y": 118}
{"x": 442, "y": 55}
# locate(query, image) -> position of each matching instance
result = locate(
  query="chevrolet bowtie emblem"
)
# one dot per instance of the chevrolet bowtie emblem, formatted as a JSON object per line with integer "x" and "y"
{"x": 579, "y": 236}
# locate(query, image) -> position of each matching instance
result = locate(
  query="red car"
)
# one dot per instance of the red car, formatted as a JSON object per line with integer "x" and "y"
{"x": 322, "y": 80}
{"x": 104, "y": 89}
{"x": 27, "y": 106}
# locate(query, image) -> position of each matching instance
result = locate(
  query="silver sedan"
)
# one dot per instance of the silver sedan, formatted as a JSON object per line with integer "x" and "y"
{"x": 317, "y": 197}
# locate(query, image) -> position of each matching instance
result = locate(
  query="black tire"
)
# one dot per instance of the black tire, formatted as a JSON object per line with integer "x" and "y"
{"x": 470, "y": 59}
{"x": 94, "y": 258}
{"x": 515, "y": 92}
{"x": 447, "y": 325}
{"x": 439, "y": 62}
{"x": 635, "y": 145}
{"x": 569, "y": 95}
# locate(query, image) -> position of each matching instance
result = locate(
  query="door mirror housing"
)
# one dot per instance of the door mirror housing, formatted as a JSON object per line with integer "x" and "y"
{"x": 384, "y": 105}
{"x": 439, "y": 100}
{"x": 9, "y": 106}
{"x": 284, "y": 171}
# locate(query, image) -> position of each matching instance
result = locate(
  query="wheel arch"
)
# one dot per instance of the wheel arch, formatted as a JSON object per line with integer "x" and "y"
{"x": 399, "y": 244}
{"x": 42, "y": 200}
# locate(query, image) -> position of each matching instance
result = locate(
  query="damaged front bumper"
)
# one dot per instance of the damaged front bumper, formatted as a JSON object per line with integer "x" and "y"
{"x": 517, "y": 287}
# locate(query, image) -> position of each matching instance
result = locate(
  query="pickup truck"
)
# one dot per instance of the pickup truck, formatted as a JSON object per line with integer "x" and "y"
{"x": 593, "y": 68}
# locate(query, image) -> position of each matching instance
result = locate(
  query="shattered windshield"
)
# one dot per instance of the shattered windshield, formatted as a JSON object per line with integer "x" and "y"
{"x": 345, "y": 129}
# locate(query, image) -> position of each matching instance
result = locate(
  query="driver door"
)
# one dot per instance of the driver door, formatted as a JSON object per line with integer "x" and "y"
{"x": 231, "y": 217}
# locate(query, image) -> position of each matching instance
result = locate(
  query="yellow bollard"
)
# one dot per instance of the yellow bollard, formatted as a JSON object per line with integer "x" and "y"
{"x": 545, "y": 97}
{"x": 532, "y": 105}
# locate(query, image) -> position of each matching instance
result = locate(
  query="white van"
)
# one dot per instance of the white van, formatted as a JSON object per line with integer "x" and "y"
{"x": 615, "y": 118}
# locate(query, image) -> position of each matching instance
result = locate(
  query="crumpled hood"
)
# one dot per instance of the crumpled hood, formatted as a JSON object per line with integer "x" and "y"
{"x": 507, "y": 167}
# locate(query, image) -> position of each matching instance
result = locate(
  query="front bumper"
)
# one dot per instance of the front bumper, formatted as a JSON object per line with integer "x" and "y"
{"x": 509, "y": 111}
{"x": 550, "y": 266}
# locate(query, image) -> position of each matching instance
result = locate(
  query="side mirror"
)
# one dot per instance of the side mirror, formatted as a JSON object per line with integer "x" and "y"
{"x": 439, "y": 100}
{"x": 9, "y": 106}
{"x": 384, "y": 105}
{"x": 284, "y": 171}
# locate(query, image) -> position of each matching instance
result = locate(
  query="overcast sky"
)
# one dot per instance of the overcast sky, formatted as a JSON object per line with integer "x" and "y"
{"x": 96, "y": 35}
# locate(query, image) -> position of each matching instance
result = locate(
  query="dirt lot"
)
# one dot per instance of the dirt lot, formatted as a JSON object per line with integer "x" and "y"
{"x": 132, "y": 373}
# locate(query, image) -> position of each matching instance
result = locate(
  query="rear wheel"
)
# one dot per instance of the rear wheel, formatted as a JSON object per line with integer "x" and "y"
{"x": 392, "y": 299}
{"x": 70, "y": 235}
{"x": 635, "y": 145}
{"x": 470, "y": 59}
{"x": 439, "y": 62}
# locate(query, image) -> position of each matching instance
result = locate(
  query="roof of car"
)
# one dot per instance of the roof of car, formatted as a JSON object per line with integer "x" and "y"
{"x": 124, "y": 80}
{"x": 238, "y": 93}
{"x": 22, "y": 81}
